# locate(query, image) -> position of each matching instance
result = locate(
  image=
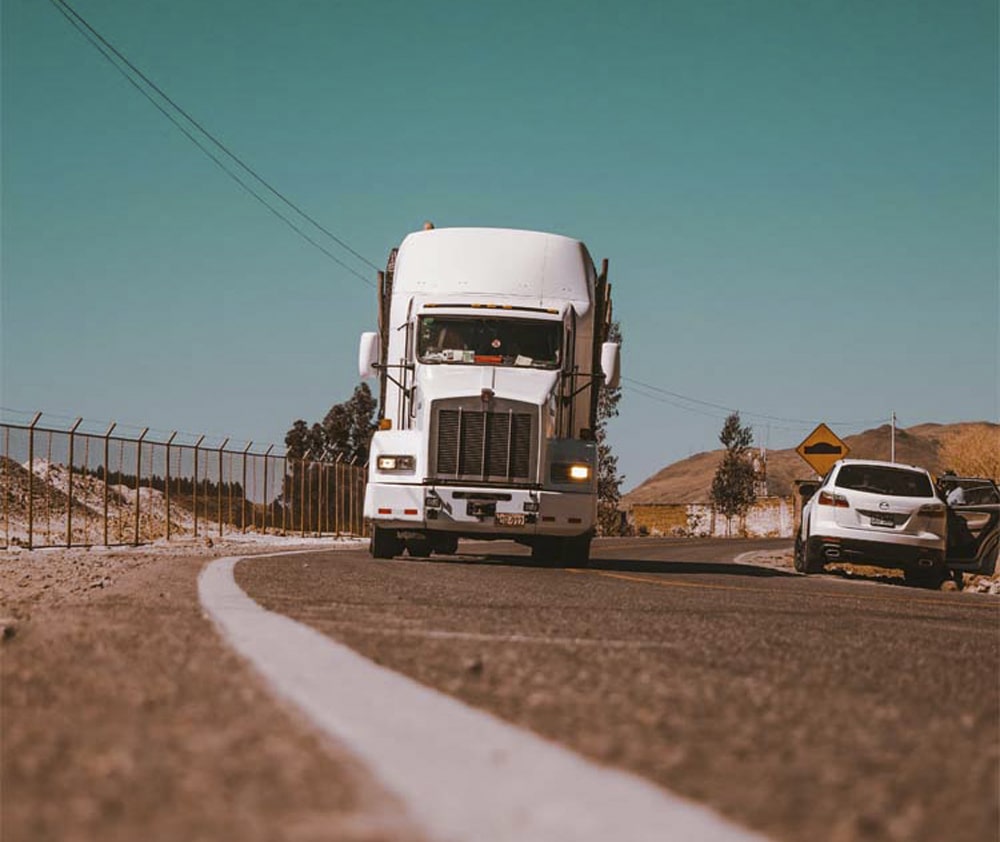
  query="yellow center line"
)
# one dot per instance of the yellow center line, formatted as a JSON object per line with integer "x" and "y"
{"x": 669, "y": 583}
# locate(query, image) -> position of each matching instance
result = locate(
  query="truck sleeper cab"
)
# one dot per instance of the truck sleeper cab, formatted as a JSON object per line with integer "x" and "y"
{"x": 490, "y": 355}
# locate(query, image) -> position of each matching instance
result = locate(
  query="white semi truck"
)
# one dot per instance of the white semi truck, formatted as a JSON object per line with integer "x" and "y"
{"x": 490, "y": 354}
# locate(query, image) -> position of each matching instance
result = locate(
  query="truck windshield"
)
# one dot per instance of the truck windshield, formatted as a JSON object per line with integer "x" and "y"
{"x": 489, "y": 341}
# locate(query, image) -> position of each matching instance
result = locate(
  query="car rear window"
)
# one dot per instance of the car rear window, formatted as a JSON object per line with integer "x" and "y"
{"x": 893, "y": 482}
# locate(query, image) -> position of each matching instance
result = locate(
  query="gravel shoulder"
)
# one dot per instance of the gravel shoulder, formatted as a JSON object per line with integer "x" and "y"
{"x": 125, "y": 716}
{"x": 782, "y": 560}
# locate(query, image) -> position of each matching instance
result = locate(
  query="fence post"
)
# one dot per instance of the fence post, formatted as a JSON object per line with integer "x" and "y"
{"x": 222, "y": 447}
{"x": 243, "y": 496}
{"x": 320, "y": 488}
{"x": 338, "y": 495}
{"x": 69, "y": 489}
{"x": 194, "y": 486}
{"x": 267, "y": 506}
{"x": 302, "y": 498}
{"x": 361, "y": 510}
{"x": 354, "y": 482}
{"x": 138, "y": 480}
{"x": 284, "y": 506}
{"x": 170, "y": 441}
{"x": 6, "y": 486}
{"x": 31, "y": 480}
{"x": 107, "y": 475}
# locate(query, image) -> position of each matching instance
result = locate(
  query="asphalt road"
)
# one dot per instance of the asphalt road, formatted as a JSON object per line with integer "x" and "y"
{"x": 804, "y": 707}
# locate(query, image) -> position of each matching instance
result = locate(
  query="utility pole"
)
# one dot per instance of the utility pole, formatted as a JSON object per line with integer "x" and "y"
{"x": 892, "y": 444}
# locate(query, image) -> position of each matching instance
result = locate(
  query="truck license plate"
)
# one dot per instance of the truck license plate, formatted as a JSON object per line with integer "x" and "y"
{"x": 509, "y": 519}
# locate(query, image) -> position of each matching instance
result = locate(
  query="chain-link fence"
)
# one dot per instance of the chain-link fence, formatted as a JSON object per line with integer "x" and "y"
{"x": 76, "y": 485}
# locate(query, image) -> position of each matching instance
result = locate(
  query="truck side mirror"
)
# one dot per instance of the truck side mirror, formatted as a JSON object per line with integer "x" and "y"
{"x": 368, "y": 353}
{"x": 611, "y": 364}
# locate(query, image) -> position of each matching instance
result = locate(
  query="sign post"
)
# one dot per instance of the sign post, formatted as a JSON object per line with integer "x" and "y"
{"x": 821, "y": 449}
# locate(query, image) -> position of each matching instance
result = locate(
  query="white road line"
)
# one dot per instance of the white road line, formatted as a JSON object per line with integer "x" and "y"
{"x": 390, "y": 630}
{"x": 465, "y": 775}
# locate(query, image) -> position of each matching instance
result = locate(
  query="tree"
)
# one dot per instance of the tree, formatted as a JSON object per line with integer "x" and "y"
{"x": 733, "y": 484}
{"x": 346, "y": 431}
{"x": 609, "y": 481}
{"x": 316, "y": 492}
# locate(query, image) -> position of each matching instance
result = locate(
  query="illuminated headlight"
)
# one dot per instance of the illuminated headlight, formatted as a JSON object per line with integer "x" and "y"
{"x": 395, "y": 463}
{"x": 570, "y": 472}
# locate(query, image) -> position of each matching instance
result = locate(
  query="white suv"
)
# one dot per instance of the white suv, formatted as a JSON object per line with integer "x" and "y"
{"x": 881, "y": 514}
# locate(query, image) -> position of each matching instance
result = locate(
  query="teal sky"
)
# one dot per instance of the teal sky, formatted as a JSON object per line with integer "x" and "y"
{"x": 798, "y": 200}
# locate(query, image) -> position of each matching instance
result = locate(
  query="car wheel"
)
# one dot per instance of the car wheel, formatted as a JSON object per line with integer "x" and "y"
{"x": 813, "y": 561}
{"x": 805, "y": 561}
{"x": 989, "y": 565}
{"x": 799, "y": 555}
{"x": 926, "y": 577}
{"x": 384, "y": 543}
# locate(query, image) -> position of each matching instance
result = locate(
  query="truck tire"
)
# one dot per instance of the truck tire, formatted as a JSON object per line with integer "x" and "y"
{"x": 445, "y": 544}
{"x": 562, "y": 552}
{"x": 419, "y": 547}
{"x": 384, "y": 543}
{"x": 575, "y": 551}
{"x": 545, "y": 551}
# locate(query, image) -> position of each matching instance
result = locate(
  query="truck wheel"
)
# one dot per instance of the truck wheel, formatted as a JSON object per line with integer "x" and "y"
{"x": 545, "y": 551}
{"x": 575, "y": 551}
{"x": 445, "y": 544}
{"x": 384, "y": 543}
{"x": 418, "y": 547}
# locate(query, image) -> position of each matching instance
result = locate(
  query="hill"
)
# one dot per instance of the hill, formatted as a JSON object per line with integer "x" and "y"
{"x": 690, "y": 480}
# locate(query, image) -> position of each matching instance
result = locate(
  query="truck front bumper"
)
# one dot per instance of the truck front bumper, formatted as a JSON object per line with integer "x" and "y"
{"x": 480, "y": 511}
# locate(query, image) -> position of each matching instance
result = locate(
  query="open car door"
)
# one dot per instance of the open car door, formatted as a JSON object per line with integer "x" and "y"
{"x": 974, "y": 528}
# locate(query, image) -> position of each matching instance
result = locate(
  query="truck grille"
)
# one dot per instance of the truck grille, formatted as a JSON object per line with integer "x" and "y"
{"x": 482, "y": 445}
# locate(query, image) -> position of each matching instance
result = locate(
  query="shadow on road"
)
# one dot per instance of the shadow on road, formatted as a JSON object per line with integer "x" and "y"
{"x": 624, "y": 565}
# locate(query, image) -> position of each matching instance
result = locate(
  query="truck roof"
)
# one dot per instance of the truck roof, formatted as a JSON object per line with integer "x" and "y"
{"x": 496, "y": 265}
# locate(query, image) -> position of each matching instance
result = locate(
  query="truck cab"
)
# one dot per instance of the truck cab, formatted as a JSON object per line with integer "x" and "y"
{"x": 490, "y": 355}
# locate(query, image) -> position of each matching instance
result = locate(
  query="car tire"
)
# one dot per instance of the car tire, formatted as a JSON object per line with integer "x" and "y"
{"x": 384, "y": 543}
{"x": 799, "y": 555}
{"x": 805, "y": 561}
{"x": 929, "y": 578}
{"x": 989, "y": 564}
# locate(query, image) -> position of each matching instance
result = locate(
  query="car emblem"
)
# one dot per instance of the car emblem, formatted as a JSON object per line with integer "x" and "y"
{"x": 883, "y": 505}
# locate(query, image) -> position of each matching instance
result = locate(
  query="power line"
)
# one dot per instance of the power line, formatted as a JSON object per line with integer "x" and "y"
{"x": 107, "y": 49}
{"x": 799, "y": 422}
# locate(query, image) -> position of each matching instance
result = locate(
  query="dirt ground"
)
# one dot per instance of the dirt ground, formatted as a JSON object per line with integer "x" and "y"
{"x": 124, "y": 716}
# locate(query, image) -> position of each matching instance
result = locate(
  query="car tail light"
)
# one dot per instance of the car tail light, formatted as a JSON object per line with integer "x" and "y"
{"x": 838, "y": 501}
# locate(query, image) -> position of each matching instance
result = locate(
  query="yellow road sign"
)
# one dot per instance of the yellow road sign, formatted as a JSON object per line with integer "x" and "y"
{"x": 821, "y": 449}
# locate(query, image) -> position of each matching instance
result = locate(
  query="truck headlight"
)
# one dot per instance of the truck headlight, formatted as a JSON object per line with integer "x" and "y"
{"x": 395, "y": 463}
{"x": 570, "y": 472}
